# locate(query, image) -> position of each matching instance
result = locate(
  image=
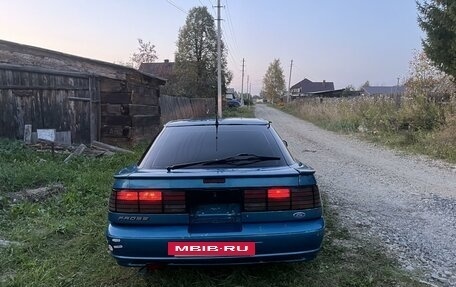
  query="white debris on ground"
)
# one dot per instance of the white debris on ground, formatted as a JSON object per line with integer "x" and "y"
{"x": 36, "y": 194}
{"x": 5, "y": 243}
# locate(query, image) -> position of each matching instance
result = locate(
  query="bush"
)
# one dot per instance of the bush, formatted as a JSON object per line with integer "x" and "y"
{"x": 248, "y": 102}
{"x": 420, "y": 114}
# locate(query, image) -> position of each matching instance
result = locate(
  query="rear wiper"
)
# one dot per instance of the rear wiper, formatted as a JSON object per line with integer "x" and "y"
{"x": 239, "y": 159}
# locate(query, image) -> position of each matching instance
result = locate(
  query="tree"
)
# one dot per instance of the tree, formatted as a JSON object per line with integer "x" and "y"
{"x": 145, "y": 54}
{"x": 437, "y": 18}
{"x": 195, "y": 70}
{"x": 425, "y": 79}
{"x": 274, "y": 81}
{"x": 349, "y": 91}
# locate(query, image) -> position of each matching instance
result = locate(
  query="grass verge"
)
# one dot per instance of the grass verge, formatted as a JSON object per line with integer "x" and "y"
{"x": 60, "y": 241}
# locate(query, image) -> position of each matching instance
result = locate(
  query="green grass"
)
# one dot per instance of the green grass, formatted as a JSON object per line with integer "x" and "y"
{"x": 60, "y": 241}
{"x": 241, "y": 112}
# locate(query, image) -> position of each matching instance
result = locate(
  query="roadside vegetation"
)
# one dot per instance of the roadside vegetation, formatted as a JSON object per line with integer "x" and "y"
{"x": 240, "y": 112}
{"x": 422, "y": 121}
{"x": 59, "y": 240}
{"x": 417, "y": 126}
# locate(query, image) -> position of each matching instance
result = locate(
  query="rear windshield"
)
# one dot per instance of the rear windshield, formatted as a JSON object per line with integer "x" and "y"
{"x": 187, "y": 144}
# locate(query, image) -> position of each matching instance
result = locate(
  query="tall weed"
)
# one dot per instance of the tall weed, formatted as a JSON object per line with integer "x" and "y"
{"x": 416, "y": 123}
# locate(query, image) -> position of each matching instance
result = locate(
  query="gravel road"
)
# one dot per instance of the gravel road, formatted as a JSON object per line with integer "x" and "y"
{"x": 407, "y": 203}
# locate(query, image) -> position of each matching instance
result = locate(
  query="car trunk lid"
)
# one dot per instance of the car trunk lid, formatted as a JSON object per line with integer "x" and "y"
{"x": 205, "y": 200}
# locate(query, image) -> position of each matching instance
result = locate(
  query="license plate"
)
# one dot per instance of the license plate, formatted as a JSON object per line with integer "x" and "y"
{"x": 211, "y": 248}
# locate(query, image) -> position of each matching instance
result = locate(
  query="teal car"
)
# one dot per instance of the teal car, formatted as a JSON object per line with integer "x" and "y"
{"x": 215, "y": 192}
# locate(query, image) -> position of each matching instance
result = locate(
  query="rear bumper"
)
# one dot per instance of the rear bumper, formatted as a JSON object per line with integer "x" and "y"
{"x": 274, "y": 242}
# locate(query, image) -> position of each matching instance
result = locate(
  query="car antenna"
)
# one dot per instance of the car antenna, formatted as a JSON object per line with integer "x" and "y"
{"x": 216, "y": 120}
{"x": 216, "y": 130}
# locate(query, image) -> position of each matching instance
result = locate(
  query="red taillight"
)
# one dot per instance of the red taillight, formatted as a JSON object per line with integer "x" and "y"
{"x": 147, "y": 201}
{"x": 278, "y": 193}
{"x": 279, "y": 198}
{"x": 127, "y": 195}
{"x": 150, "y": 196}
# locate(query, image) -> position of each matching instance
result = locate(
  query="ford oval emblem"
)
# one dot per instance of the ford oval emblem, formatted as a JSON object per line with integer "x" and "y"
{"x": 299, "y": 214}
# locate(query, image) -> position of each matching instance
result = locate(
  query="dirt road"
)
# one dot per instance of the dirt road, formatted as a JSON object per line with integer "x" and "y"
{"x": 406, "y": 203}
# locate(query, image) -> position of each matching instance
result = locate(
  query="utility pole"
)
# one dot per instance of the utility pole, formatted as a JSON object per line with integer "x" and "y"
{"x": 242, "y": 85}
{"x": 219, "y": 63}
{"x": 397, "y": 87}
{"x": 250, "y": 93}
{"x": 247, "y": 88}
{"x": 289, "y": 82}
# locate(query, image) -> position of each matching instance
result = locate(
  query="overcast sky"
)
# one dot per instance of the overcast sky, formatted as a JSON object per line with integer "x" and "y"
{"x": 344, "y": 41}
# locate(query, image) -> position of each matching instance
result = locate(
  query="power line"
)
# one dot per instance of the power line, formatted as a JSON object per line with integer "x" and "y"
{"x": 300, "y": 70}
{"x": 230, "y": 54}
{"x": 231, "y": 39}
{"x": 177, "y": 7}
{"x": 231, "y": 36}
{"x": 230, "y": 24}
{"x": 210, "y": 5}
{"x": 232, "y": 49}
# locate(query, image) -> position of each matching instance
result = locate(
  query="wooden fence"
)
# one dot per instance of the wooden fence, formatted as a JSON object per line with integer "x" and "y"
{"x": 174, "y": 108}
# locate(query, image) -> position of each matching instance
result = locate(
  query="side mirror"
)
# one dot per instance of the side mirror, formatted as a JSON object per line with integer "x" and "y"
{"x": 285, "y": 143}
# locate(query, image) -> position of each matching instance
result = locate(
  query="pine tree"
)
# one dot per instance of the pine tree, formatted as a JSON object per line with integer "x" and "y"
{"x": 438, "y": 19}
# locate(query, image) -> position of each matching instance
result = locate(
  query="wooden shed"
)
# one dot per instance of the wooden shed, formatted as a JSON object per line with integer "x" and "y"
{"x": 94, "y": 100}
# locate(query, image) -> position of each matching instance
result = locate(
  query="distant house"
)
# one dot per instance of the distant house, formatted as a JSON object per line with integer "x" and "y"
{"x": 163, "y": 70}
{"x": 382, "y": 90}
{"x": 257, "y": 99}
{"x": 306, "y": 88}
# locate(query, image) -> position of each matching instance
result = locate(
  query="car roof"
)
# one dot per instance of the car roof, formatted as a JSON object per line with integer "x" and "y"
{"x": 224, "y": 121}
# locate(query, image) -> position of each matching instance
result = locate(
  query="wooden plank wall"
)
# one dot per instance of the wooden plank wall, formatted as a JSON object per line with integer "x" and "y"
{"x": 174, "y": 108}
{"x": 115, "y": 120}
{"x": 46, "y": 100}
{"x": 130, "y": 110}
